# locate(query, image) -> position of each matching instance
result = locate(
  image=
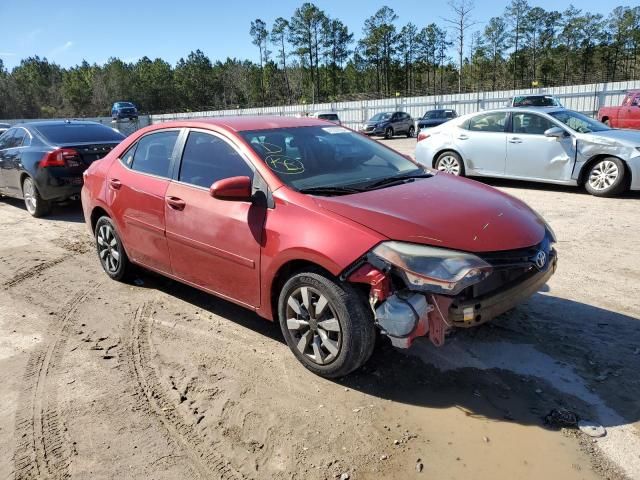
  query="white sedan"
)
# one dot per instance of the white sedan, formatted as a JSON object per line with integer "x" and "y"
{"x": 552, "y": 145}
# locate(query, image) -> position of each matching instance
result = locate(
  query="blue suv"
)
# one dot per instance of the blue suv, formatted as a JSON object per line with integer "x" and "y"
{"x": 124, "y": 110}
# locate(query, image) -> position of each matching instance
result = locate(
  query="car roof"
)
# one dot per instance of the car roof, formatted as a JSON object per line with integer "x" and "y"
{"x": 245, "y": 123}
{"x": 536, "y": 95}
{"x": 324, "y": 112}
{"x": 42, "y": 123}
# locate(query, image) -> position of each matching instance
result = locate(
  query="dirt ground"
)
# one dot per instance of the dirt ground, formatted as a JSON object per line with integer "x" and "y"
{"x": 154, "y": 379}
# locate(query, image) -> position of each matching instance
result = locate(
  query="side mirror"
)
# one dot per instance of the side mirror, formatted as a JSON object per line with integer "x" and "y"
{"x": 233, "y": 188}
{"x": 555, "y": 132}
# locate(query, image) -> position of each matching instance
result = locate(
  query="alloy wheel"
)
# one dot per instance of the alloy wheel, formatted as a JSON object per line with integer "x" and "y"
{"x": 449, "y": 164}
{"x": 108, "y": 248}
{"x": 313, "y": 325}
{"x": 30, "y": 198}
{"x": 603, "y": 175}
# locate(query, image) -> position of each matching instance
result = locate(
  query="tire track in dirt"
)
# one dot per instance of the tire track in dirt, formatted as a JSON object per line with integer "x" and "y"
{"x": 41, "y": 451}
{"x": 205, "y": 458}
{"x": 32, "y": 272}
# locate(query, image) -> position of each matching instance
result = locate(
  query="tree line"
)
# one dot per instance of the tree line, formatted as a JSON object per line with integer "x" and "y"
{"x": 312, "y": 57}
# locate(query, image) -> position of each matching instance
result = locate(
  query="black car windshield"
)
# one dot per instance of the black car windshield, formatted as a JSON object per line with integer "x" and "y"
{"x": 579, "y": 122}
{"x": 378, "y": 117}
{"x": 124, "y": 104}
{"x": 58, "y": 133}
{"x": 319, "y": 157}
{"x": 433, "y": 114}
{"x": 535, "y": 101}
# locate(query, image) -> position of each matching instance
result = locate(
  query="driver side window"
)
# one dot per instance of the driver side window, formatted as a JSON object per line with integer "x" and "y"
{"x": 530, "y": 124}
{"x": 207, "y": 158}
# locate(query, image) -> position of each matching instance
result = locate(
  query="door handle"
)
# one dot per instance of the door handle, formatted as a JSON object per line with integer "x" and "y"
{"x": 515, "y": 140}
{"x": 115, "y": 183}
{"x": 176, "y": 203}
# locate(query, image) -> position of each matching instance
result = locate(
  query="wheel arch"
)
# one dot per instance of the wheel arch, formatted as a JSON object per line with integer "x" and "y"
{"x": 582, "y": 177}
{"x": 23, "y": 176}
{"x": 285, "y": 272}
{"x": 96, "y": 213}
{"x": 444, "y": 150}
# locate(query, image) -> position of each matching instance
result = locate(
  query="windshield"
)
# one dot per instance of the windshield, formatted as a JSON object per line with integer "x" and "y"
{"x": 124, "y": 104}
{"x": 313, "y": 157}
{"x": 434, "y": 114}
{"x": 579, "y": 122}
{"x": 380, "y": 116}
{"x": 58, "y": 133}
{"x": 536, "y": 101}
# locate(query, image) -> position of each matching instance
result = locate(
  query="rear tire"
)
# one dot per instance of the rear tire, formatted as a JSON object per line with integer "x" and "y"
{"x": 411, "y": 132}
{"x": 450, "y": 162}
{"x": 35, "y": 204}
{"x": 606, "y": 122}
{"x": 606, "y": 177}
{"x": 111, "y": 252}
{"x": 334, "y": 340}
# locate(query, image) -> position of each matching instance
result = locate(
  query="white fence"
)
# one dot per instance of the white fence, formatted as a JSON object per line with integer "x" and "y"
{"x": 583, "y": 98}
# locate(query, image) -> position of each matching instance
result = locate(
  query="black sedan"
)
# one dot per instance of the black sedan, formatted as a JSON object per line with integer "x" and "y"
{"x": 43, "y": 162}
{"x": 433, "y": 118}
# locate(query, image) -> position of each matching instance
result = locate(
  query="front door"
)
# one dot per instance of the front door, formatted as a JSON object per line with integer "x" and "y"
{"x": 629, "y": 113}
{"x": 214, "y": 244}
{"x": 482, "y": 143}
{"x": 137, "y": 185}
{"x": 532, "y": 155}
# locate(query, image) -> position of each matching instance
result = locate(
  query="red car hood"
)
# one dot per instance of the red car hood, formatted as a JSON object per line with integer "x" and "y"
{"x": 443, "y": 211}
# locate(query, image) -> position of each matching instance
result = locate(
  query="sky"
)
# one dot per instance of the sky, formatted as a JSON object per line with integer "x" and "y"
{"x": 69, "y": 31}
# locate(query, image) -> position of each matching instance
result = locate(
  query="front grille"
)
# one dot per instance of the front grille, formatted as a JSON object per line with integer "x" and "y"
{"x": 510, "y": 267}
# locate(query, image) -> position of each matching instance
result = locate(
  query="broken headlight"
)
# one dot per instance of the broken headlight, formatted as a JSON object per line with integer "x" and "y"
{"x": 432, "y": 269}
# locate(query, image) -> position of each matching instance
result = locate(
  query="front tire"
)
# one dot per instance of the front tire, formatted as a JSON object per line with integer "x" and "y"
{"x": 113, "y": 257}
{"x": 450, "y": 162}
{"x": 388, "y": 133}
{"x": 326, "y": 324}
{"x": 35, "y": 204}
{"x": 606, "y": 177}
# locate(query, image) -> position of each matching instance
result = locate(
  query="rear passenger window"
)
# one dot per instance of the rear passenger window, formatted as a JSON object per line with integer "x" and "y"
{"x": 18, "y": 137}
{"x": 207, "y": 159}
{"x": 488, "y": 122}
{"x": 152, "y": 153}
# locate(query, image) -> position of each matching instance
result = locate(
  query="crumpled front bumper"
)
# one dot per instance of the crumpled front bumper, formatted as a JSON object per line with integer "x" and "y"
{"x": 476, "y": 311}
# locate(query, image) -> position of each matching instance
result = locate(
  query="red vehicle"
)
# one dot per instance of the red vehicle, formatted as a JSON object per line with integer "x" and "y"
{"x": 330, "y": 233}
{"x": 625, "y": 116}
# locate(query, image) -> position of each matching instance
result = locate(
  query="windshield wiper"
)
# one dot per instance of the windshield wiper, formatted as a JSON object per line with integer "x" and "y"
{"x": 329, "y": 190}
{"x": 396, "y": 180}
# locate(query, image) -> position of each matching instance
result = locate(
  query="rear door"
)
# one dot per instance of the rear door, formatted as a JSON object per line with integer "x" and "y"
{"x": 10, "y": 162}
{"x": 4, "y": 145}
{"x": 532, "y": 155}
{"x": 408, "y": 121}
{"x": 214, "y": 244}
{"x": 482, "y": 141}
{"x": 137, "y": 185}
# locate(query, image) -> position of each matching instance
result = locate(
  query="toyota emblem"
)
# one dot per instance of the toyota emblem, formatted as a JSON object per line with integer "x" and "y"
{"x": 540, "y": 259}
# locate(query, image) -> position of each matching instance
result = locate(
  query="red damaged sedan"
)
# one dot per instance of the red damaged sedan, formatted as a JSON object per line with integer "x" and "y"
{"x": 332, "y": 234}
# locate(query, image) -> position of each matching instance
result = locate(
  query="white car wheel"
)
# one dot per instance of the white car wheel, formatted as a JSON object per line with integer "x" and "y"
{"x": 606, "y": 177}
{"x": 450, "y": 162}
